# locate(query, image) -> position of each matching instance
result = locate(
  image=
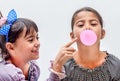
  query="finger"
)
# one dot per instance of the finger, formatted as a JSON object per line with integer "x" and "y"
{"x": 65, "y": 58}
{"x": 70, "y": 49}
{"x": 71, "y": 53}
{"x": 70, "y": 43}
{"x": 60, "y": 55}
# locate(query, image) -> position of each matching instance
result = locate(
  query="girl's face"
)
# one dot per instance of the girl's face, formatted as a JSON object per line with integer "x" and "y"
{"x": 27, "y": 47}
{"x": 86, "y": 20}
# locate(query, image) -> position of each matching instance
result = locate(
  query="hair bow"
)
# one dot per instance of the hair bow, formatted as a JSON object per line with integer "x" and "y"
{"x": 12, "y": 16}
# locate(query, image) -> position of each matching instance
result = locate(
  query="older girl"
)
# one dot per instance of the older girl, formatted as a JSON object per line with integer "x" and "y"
{"x": 88, "y": 62}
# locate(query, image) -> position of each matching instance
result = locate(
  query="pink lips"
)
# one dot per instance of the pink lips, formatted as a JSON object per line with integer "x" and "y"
{"x": 88, "y": 37}
{"x": 35, "y": 52}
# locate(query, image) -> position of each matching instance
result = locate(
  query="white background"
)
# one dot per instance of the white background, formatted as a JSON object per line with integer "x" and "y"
{"x": 53, "y": 18}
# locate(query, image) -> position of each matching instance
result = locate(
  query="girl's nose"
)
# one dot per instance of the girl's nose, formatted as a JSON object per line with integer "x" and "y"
{"x": 37, "y": 43}
{"x": 87, "y": 26}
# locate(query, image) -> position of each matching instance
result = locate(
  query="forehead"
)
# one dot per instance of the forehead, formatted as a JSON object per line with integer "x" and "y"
{"x": 25, "y": 32}
{"x": 86, "y": 15}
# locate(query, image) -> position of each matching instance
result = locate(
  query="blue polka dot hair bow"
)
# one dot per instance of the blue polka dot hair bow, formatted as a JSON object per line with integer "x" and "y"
{"x": 12, "y": 16}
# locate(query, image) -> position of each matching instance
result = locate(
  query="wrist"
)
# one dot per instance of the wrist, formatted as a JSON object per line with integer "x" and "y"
{"x": 57, "y": 67}
{"x": 61, "y": 75}
{"x": 59, "y": 72}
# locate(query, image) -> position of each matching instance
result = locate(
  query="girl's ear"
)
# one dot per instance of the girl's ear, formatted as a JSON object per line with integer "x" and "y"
{"x": 103, "y": 34}
{"x": 10, "y": 47}
{"x": 72, "y": 35}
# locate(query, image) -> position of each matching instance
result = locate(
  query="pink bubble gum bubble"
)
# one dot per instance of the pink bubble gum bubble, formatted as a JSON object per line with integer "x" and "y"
{"x": 88, "y": 37}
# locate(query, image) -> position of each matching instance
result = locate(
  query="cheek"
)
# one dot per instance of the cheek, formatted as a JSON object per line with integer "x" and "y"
{"x": 24, "y": 48}
{"x": 99, "y": 34}
{"x": 77, "y": 34}
{"x": 28, "y": 48}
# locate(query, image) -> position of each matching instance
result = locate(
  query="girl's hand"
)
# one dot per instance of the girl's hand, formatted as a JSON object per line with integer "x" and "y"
{"x": 65, "y": 53}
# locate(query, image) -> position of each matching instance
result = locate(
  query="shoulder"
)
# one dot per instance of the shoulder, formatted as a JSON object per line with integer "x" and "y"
{"x": 113, "y": 60}
{"x": 113, "y": 65}
{"x": 8, "y": 72}
{"x": 3, "y": 74}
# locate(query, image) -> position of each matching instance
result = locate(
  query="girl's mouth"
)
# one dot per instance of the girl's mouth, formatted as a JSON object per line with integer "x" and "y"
{"x": 88, "y": 37}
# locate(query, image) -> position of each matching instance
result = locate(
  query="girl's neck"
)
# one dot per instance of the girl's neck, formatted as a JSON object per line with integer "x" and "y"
{"x": 89, "y": 57}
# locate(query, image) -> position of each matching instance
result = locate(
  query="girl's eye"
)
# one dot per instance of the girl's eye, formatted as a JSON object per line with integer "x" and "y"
{"x": 93, "y": 25}
{"x": 30, "y": 40}
{"x": 37, "y": 38}
{"x": 80, "y": 26}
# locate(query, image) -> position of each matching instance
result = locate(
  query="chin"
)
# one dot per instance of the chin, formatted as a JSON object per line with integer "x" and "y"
{"x": 37, "y": 57}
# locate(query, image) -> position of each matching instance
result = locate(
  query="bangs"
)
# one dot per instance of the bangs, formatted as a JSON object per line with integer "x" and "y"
{"x": 30, "y": 30}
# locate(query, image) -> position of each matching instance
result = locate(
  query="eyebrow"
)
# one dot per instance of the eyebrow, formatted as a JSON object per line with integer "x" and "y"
{"x": 30, "y": 36}
{"x": 94, "y": 20}
{"x": 79, "y": 21}
{"x": 90, "y": 20}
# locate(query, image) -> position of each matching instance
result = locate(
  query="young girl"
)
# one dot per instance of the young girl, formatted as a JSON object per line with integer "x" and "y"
{"x": 88, "y": 62}
{"x": 19, "y": 46}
